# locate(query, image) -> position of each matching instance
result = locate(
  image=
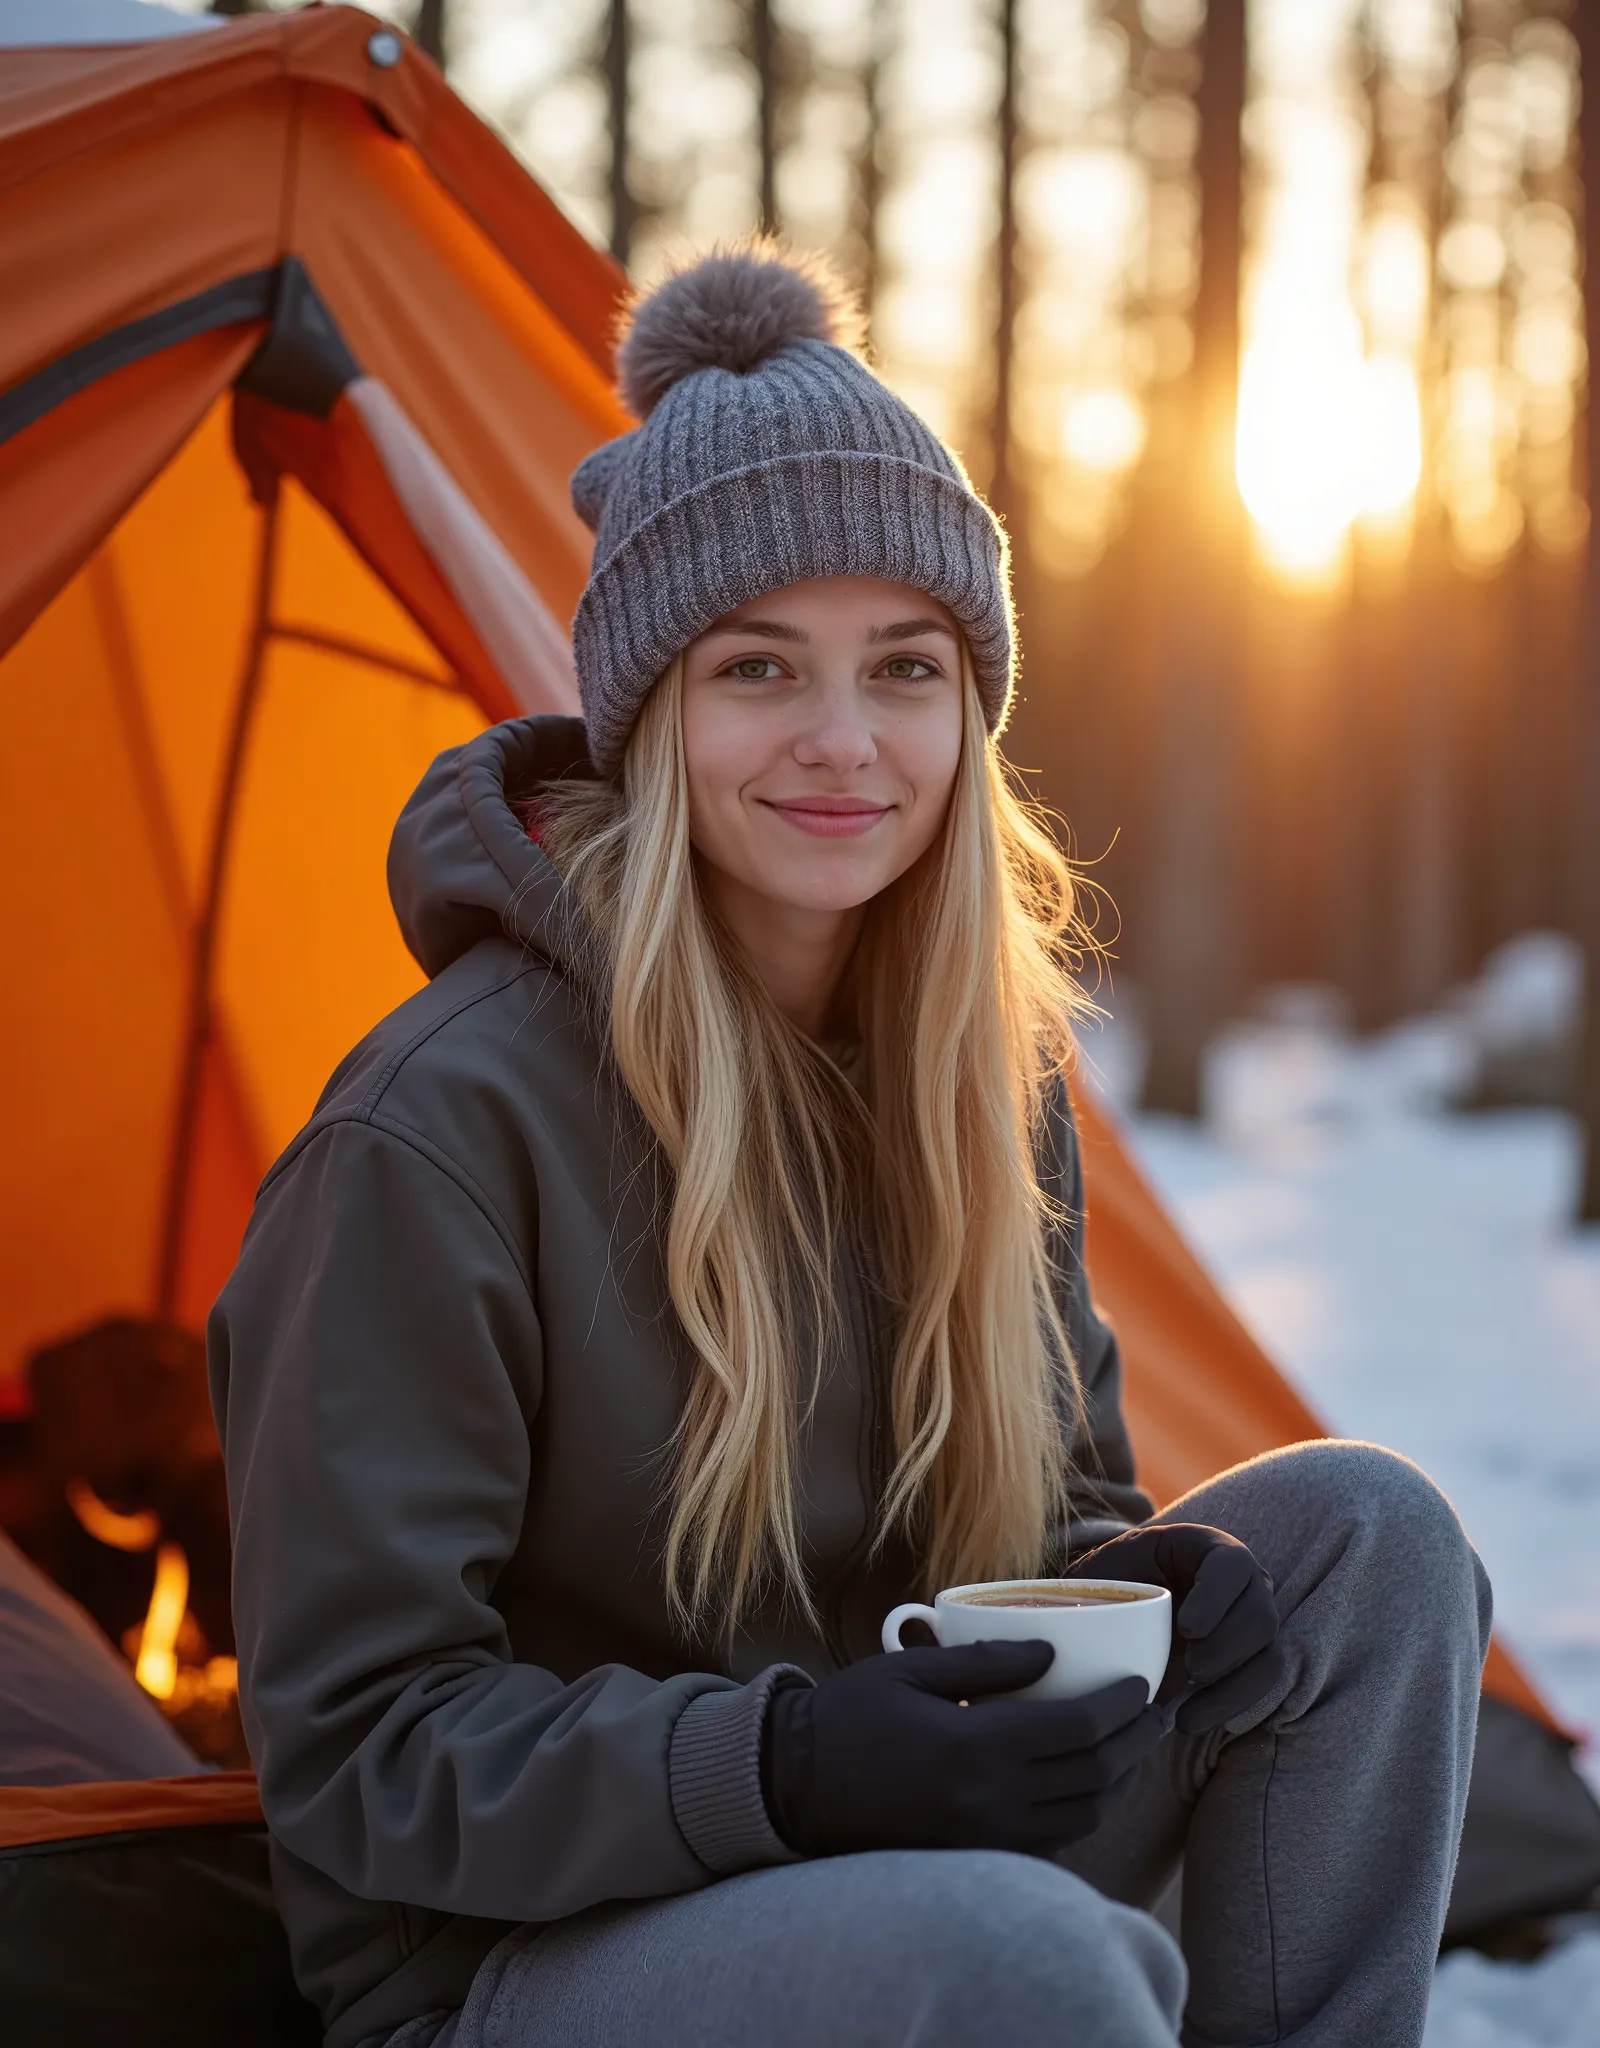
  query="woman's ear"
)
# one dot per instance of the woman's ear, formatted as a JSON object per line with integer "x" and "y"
{"x": 593, "y": 477}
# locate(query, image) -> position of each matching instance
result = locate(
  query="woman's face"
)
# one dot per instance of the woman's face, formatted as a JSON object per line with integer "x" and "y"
{"x": 822, "y": 732}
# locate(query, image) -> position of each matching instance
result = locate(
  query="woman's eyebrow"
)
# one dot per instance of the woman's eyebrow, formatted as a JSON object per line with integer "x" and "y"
{"x": 910, "y": 629}
{"x": 765, "y": 629}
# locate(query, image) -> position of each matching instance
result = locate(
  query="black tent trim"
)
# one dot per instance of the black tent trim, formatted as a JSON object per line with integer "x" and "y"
{"x": 303, "y": 363}
{"x": 246, "y": 297}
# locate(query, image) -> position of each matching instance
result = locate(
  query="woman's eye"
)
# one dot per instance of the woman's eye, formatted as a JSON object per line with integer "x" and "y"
{"x": 908, "y": 668}
{"x": 755, "y": 668}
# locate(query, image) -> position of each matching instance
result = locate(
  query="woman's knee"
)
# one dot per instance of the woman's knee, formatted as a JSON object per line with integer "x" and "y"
{"x": 1004, "y": 1948}
{"x": 1399, "y": 1518}
{"x": 1367, "y": 1484}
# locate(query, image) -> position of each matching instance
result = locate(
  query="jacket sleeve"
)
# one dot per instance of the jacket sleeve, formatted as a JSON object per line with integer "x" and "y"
{"x": 1104, "y": 1497}
{"x": 376, "y": 1367}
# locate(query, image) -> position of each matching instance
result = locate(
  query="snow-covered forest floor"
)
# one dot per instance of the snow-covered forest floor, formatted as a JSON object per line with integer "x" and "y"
{"x": 1415, "y": 1272}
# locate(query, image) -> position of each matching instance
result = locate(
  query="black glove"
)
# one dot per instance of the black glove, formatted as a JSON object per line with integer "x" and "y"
{"x": 1225, "y": 1654}
{"x": 887, "y": 1754}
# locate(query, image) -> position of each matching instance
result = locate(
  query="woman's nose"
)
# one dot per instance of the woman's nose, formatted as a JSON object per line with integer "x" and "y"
{"x": 839, "y": 735}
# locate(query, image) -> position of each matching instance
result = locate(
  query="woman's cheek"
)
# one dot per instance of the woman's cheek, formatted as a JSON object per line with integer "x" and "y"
{"x": 929, "y": 765}
{"x": 719, "y": 824}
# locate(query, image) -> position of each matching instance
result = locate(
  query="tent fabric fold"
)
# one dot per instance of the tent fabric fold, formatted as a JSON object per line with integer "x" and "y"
{"x": 530, "y": 649}
{"x": 31, "y": 1815}
{"x": 248, "y": 590}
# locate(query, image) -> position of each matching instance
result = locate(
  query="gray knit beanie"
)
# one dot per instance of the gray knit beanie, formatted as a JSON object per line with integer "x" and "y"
{"x": 768, "y": 454}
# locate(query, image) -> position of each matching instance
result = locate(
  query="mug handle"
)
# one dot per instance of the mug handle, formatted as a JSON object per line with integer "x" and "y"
{"x": 913, "y": 1610}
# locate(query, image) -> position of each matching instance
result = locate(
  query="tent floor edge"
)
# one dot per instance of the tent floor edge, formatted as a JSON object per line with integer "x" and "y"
{"x": 1531, "y": 1845}
{"x": 164, "y": 1938}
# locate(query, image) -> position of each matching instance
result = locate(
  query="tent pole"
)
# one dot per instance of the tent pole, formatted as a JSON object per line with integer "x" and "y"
{"x": 203, "y": 958}
{"x": 111, "y": 618}
{"x": 371, "y": 657}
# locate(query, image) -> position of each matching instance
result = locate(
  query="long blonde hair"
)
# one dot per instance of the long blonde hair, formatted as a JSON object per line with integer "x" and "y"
{"x": 962, "y": 1000}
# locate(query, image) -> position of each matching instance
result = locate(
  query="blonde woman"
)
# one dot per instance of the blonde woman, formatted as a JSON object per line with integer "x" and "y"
{"x": 691, "y": 1273}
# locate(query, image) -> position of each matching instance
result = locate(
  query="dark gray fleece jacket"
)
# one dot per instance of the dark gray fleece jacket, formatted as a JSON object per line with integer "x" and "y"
{"x": 445, "y": 1370}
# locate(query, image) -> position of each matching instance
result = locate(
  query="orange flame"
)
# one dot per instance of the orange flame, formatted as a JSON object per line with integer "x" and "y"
{"x": 105, "y": 1525}
{"x": 157, "y": 1666}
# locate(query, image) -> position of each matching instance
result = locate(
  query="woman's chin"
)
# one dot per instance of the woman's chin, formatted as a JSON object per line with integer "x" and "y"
{"x": 836, "y": 890}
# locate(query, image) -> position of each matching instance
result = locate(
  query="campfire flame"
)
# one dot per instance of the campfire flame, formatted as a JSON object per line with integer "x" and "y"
{"x": 106, "y": 1525}
{"x": 157, "y": 1665}
{"x": 167, "y": 1646}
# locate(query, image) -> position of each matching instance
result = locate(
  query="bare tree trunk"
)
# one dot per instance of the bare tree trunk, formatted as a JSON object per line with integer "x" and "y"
{"x": 763, "y": 55}
{"x": 1193, "y": 941}
{"x": 869, "y": 182}
{"x": 1000, "y": 483}
{"x": 624, "y": 211}
{"x": 1586, "y": 821}
{"x": 429, "y": 32}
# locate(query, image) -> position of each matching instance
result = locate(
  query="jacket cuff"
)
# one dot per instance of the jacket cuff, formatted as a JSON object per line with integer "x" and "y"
{"x": 714, "y": 1774}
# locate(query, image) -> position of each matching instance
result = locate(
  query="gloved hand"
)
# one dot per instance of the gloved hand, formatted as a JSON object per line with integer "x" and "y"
{"x": 889, "y": 1754}
{"x": 1225, "y": 1654}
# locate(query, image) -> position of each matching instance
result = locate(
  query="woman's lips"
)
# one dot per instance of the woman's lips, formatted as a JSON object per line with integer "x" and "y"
{"x": 830, "y": 817}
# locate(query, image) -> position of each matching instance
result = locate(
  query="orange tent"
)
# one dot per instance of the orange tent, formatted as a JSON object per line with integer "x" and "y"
{"x": 295, "y": 365}
{"x": 228, "y": 569}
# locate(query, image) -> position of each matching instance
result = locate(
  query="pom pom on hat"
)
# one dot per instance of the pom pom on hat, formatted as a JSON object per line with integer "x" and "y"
{"x": 732, "y": 310}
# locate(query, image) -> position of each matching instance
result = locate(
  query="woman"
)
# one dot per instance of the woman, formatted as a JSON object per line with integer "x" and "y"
{"x": 692, "y": 1272}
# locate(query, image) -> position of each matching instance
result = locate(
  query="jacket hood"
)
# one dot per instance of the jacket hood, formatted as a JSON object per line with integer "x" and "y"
{"x": 461, "y": 864}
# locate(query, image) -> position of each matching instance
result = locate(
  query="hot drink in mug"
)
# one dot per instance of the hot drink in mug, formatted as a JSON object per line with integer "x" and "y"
{"x": 1101, "y": 1629}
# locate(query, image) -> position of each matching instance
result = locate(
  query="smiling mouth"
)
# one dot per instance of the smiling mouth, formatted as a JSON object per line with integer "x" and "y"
{"x": 839, "y": 817}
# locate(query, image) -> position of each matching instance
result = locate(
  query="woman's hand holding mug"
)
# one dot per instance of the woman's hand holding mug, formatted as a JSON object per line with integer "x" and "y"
{"x": 1225, "y": 1654}
{"x": 1015, "y": 1733}
{"x": 914, "y": 1751}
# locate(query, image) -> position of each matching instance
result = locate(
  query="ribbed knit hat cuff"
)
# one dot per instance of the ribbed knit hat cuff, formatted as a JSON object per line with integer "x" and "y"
{"x": 782, "y": 521}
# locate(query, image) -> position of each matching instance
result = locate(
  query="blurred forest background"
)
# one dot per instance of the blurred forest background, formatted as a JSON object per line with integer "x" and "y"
{"x": 1263, "y": 325}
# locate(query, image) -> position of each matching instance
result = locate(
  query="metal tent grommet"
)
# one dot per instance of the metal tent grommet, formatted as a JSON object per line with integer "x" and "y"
{"x": 383, "y": 48}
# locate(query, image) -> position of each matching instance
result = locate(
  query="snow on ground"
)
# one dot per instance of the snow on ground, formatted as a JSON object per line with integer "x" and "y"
{"x": 1415, "y": 1272}
{"x": 1553, "y": 2003}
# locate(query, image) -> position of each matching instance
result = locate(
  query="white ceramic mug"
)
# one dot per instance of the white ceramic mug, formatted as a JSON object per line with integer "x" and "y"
{"x": 1118, "y": 1637}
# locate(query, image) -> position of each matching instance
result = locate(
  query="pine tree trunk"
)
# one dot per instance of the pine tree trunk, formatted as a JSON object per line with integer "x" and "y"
{"x": 1586, "y": 823}
{"x": 764, "y": 56}
{"x": 1000, "y": 481}
{"x": 429, "y": 31}
{"x": 1192, "y": 943}
{"x": 624, "y": 211}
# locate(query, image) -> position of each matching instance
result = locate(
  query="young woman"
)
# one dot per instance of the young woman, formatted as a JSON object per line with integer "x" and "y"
{"x": 691, "y": 1273}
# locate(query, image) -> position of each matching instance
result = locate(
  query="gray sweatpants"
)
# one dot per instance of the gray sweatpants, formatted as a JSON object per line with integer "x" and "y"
{"x": 1318, "y": 1838}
